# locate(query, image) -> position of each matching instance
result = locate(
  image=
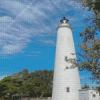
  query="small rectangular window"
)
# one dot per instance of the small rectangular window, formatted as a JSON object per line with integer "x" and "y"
{"x": 65, "y": 58}
{"x": 94, "y": 95}
{"x": 67, "y": 89}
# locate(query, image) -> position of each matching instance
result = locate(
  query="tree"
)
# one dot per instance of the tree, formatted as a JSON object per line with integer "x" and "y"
{"x": 38, "y": 83}
{"x": 31, "y": 89}
{"x": 91, "y": 4}
{"x": 42, "y": 79}
{"x": 89, "y": 58}
{"x": 91, "y": 30}
{"x": 98, "y": 88}
{"x": 89, "y": 54}
{"x": 10, "y": 86}
{"x": 28, "y": 90}
{"x": 21, "y": 75}
{"x": 86, "y": 86}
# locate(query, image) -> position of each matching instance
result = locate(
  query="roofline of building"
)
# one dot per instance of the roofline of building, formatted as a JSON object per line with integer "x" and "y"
{"x": 86, "y": 89}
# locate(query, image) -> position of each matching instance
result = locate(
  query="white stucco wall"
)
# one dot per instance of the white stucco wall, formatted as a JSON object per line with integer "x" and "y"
{"x": 91, "y": 92}
{"x": 87, "y": 94}
{"x": 83, "y": 95}
{"x": 62, "y": 77}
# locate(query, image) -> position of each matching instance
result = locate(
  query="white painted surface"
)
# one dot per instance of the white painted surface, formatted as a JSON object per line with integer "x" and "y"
{"x": 83, "y": 95}
{"x": 91, "y": 92}
{"x": 65, "y": 77}
{"x": 86, "y": 94}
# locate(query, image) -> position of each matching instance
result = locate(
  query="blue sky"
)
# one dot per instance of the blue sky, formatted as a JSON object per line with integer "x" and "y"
{"x": 28, "y": 34}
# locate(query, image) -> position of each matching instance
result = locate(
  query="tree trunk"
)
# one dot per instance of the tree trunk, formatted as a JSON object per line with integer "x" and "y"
{"x": 12, "y": 96}
{"x": 41, "y": 95}
{"x": 22, "y": 96}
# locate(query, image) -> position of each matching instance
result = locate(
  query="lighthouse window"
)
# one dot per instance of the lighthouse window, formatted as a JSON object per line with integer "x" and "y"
{"x": 67, "y": 89}
{"x": 94, "y": 95}
{"x": 66, "y": 58}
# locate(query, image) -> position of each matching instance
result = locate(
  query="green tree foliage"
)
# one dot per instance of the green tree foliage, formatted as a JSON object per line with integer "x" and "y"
{"x": 42, "y": 79}
{"x": 89, "y": 54}
{"x": 28, "y": 90}
{"x": 91, "y": 30}
{"x": 11, "y": 86}
{"x": 89, "y": 58}
{"x": 38, "y": 83}
{"x": 91, "y": 4}
{"x": 21, "y": 75}
{"x": 98, "y": 88}
{"x": 85, "y": 86}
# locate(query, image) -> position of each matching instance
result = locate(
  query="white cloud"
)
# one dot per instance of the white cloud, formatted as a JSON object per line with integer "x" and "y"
{"x": 74, "y": 4}
{"x": 12, "y": 6}
{"x": 31, "y": 55}
{"x": 5, "y": 19}
{"x": 4, "y": 22}
{"x": 36, "y": 52}
{"x": 48, "y": 42}
{"x": 26, "y": 21}
{"x": 10, "y": 49}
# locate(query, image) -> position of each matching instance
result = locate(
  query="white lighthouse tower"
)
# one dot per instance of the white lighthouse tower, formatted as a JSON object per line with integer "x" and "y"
{"x": 66, "y": 82}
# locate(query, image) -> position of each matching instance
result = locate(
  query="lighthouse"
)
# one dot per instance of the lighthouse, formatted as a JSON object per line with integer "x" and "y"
{"x": 66, "y": 82}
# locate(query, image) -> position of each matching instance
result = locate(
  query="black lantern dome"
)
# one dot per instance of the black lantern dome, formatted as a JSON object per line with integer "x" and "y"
{"x": 64, "y": 20}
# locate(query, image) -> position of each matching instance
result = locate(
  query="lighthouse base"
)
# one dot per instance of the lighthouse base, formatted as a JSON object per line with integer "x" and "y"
{"x": 66, "y": 85}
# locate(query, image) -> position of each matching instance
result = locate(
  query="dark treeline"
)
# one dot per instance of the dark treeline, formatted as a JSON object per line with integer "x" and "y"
{"x": 25, "y": 84}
